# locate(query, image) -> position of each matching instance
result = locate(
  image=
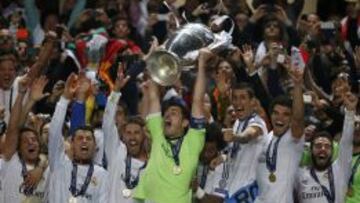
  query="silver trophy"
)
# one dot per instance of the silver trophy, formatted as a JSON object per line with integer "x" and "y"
{"x": 182, "y": 49}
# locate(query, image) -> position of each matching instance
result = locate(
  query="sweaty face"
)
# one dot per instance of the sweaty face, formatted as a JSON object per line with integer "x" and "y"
{"x": 321, "y": 152}
{"x": 7, "y": 74}
{"x": 83, "y": 146}
{"x": 29, "y": 146}
{"x": 121, "y": 29}
{"x": 209, "y": 152}
{"x": 133, "y": 138}
{"x": 174, "y": 123}
{"x": 280, "y": 119}
{"x": 241, "y": 102}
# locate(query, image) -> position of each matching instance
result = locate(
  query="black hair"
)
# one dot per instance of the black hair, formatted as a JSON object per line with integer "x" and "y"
{"x": 214, "y": 134}
{"x": 244, "y": 86}
{"x": 282, "y": 101}
{"x": 84, "y": 128}
{"x": 321, "y": 134}
{"x": 272, "y": 18}
{"x": 176, "y": 101}
{"x": 27, "y": 129}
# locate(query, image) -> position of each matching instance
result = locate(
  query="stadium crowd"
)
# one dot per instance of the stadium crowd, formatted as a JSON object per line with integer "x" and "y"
{"x": 273, "y": 118}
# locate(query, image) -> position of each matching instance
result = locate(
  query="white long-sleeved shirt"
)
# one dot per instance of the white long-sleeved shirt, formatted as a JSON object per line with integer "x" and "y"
{"x": 309, "y": 191}
{"x": 116, "y": 153}
{"x": 61, "y": 167}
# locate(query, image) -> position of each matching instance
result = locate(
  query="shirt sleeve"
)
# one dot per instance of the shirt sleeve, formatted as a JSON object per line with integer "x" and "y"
{"x": 111, "y": 136}
{"x": 196, "y": 139}
{"x": 343, "y": 163}
{"x": 154, "y": 123}
{"x": 104, "y": 188}
{"x": 56, "y": 142}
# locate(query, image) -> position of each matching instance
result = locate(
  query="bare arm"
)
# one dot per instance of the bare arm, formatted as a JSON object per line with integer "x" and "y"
{"x": 44, "y": 56}
{"x": 297, "y": 120}
{"x": 36, "y": 94}
{"x": 197, "y": 110}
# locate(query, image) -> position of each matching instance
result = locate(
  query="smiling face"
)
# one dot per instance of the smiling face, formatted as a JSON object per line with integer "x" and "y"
{"x": 133, "y": 137}
{"x": 242, "y": 103}
{"x": 83, "y": 146}
{"x": 174, "y": 122}
{"x": 29, "y": 147}
{"x": 280, "y": 119}
{"x": 7, "y": 74}
{"x": 321, "y": 152}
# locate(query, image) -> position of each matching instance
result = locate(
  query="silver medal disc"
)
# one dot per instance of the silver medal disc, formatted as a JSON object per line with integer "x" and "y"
{"x": 126, "y": 193}
{"x": 72, "y": 199}
{"x": 177, "y": 170}
{"x": 222, "y": 183}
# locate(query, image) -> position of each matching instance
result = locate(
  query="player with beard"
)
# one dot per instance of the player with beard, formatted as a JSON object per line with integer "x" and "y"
{"x": 246, "y": 139}
{"x": 22, "y": 152}
{"x": 282, "y": 152}
{"x": 327, "y": 181}
{"x": 127, "y": 157}
{"x": 353, "y": 193}
{"x": 176, "y": 145}
{"x": 77, "y": 180}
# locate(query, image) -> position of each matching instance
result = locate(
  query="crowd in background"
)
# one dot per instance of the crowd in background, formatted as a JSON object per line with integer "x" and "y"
{"x": 78, "y": 103}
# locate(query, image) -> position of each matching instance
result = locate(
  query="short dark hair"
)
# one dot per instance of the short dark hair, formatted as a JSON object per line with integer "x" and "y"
{"x": 244, "y": 86}
{"x": 83, "y": 128}
{"x": 321, "y": 134}
{"x": 27, "y": 129}
{"x": 176, "y": 101}
{"x": 135, "y": 120}
{"x": 282, "y": 100}
{"x": 213, "y": 133}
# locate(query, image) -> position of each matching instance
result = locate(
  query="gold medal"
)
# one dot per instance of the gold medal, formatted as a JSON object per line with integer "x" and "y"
{"x": 126, "y": 193}
{"x": 350, "y": 192}
{"x": 177, "y": 170}
{"x": 72, "y": 199}
{"x": 272, "y": 177}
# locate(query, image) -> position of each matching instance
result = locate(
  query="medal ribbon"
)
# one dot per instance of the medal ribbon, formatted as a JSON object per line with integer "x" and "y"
{"x": 84, "y": 187}
{"x": 27, "y": 190}
{"x": 131, "y": 184}
{"x": 330, "y": 195}
{"x": 271, "y": 160}
{"x": 236, "y": 146}
{"x": 203, "y": 178}
{"x": 175, "y": 149}
{"x": 224, "y": 175}
{"x": 353, "y": 171}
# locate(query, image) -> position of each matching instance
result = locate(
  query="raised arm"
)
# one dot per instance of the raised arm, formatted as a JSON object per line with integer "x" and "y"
{"x": 344, "y": 160}
{"x": 78, "y": 109}
{"x": 154, "y": 98}
{"x": 297, "y": 120}
{"x": 56, "y": 142}
{"x": 36, "y": 94}
{"x": 197, "y": 110}
{"x": 12, "y": 134}
{"x": 44, "y": 56}
{"x": 111, "y": 135}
